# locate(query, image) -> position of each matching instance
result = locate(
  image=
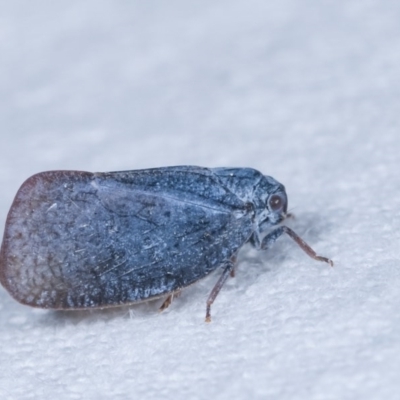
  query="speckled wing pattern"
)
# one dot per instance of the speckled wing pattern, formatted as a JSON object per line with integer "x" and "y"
{"x": 80, "y": 240}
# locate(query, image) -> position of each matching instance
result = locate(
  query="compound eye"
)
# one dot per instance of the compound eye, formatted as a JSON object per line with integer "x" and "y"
{"x": 276, "y": 202}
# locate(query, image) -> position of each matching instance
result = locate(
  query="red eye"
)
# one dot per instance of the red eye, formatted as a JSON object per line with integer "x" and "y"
{"x": 275, "y": 202}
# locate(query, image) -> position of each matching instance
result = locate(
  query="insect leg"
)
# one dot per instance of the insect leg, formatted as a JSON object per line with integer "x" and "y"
{"x": 275, "y": 234}
{"x": 214, "y": 293}
{"x": 233, "y": 261}
{"x": 168, "y": 300}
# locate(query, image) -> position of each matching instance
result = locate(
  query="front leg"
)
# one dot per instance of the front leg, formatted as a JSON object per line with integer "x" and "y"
{"x": 269, "y": 239}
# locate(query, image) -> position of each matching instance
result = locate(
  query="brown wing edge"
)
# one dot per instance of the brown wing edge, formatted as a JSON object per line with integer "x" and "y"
{"x": 24, "y": 190}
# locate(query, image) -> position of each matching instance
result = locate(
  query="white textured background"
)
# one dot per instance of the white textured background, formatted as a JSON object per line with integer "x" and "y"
{"x": 305, "y": 91}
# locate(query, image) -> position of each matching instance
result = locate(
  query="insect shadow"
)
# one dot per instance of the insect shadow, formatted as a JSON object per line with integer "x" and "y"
{"x": 145, "y": 310}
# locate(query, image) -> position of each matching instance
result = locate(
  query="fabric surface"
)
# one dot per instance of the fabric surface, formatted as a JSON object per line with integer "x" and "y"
{"x": 305, "y": 91}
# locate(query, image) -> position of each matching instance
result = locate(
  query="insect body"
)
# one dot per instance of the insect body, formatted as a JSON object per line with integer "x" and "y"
{"x": 76, "y": 240}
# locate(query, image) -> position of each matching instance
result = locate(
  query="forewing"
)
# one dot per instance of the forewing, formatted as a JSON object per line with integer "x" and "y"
{"x": 80, "y": 240}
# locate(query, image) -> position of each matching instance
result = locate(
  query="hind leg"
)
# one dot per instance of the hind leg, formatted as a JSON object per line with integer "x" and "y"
{"x": 216, "y": 289}
{"x": 168, "y": 300}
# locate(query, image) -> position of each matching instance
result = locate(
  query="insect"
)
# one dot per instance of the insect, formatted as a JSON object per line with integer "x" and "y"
{"x": 80, "y": 240}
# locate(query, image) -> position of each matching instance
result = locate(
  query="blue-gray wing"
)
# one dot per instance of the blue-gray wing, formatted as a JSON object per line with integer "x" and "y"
{"x": 79, "y": 240}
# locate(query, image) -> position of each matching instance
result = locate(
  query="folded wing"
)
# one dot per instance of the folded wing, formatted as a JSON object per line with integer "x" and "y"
{"x": 80, "y": 240}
